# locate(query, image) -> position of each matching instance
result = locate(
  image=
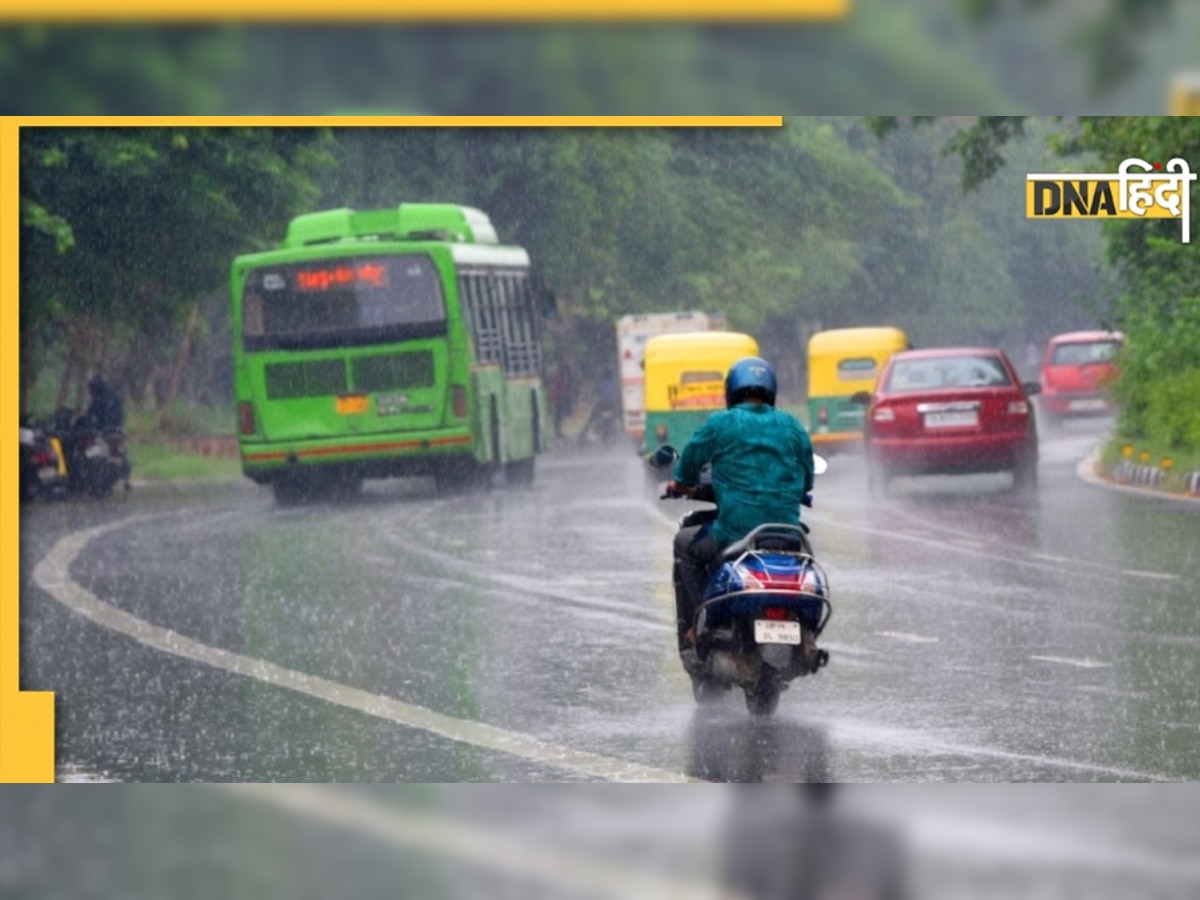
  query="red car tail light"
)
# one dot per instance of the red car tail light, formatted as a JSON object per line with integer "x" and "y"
{"x": 883, "y": 414}
{"x": 1018, "y": 408}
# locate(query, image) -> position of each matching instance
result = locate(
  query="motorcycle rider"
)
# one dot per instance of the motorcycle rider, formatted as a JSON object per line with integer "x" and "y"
{"x": 106, "y": 409}
{"x": 761, "y": 461}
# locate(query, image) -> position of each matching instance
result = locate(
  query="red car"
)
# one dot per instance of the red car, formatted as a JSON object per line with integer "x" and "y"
{"x": 949, "y": 411}
{"x": 1076, "y": 371}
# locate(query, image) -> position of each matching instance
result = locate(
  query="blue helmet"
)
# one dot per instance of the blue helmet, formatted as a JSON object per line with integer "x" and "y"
{"x": 749, "y": 377}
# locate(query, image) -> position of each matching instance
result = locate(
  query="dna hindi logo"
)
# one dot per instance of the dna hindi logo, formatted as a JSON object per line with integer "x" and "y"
{"x": 1137, "y": 190}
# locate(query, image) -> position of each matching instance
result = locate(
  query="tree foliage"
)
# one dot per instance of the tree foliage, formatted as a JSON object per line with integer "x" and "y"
{"x": 1158, "y": 305}
{"x": 123, "y": 228}
{"x": 784, "y": 230}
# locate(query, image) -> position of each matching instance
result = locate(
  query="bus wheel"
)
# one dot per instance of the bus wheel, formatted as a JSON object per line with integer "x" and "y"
{"x": 345, "y": 486}
{"x": 520, "y": 471}
{"x": 455, "y": 476}
{"x": 496, "y": 469}
{"x": 290, "y": 491}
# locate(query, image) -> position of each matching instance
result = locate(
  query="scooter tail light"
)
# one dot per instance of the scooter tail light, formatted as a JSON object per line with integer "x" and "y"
{"x": 775, "y": 613}
{"x": 246, "y": 418}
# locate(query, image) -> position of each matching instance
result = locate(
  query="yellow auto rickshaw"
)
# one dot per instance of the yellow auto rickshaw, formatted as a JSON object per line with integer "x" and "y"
{"x": 841, "y": 363}
{"x": 685, "y": 381}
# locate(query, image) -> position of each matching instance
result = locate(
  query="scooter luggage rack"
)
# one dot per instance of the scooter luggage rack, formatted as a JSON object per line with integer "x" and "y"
{"x": 804, "y": 557}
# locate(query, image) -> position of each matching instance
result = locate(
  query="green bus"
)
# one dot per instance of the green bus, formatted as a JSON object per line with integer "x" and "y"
{"x": 392, "y": 342}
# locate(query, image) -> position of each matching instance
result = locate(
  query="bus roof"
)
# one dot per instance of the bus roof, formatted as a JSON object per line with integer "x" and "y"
{"x": 406, "y": 222}
{"x": 474, "y": 254}
{"x": 839, "y": 339}
{"x": 688, "y": 345}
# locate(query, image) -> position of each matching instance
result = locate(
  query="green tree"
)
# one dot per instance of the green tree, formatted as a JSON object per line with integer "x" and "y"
{"x": 124, "y": 229}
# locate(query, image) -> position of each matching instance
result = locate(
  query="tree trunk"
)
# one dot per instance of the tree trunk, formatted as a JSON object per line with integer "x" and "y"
{"x": 185, "y": 346}
{"x": 72, "y": 366}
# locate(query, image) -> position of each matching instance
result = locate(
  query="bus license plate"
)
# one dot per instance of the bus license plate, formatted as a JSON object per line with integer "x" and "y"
{"x": 770, "y": 631}
{"x": 352, "y": 404}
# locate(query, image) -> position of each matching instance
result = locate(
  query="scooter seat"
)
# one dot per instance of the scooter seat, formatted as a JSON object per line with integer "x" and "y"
{"x": 773, "y": 537}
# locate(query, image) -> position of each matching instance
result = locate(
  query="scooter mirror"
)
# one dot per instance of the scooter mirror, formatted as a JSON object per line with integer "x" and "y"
{"x": 820, "y": 464}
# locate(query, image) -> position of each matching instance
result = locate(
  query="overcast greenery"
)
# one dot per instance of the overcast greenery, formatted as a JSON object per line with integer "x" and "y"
{"x": 127, "y": 234}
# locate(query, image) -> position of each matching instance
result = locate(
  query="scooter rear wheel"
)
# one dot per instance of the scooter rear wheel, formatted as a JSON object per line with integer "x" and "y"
{"x": 706, "y": 690}
{"x": 762, "y": 698}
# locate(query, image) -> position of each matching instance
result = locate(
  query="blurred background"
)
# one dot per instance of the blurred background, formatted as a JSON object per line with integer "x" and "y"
{"x": 261, "y": 842}
{"x": 1093, "y": 57}
{"x": 933, "y": 56}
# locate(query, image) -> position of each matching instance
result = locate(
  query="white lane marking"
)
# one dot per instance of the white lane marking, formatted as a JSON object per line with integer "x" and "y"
{"x": 1079, "y": 663}
{"x": 1164, "y": 576}
{"x": 1085, "y": 568}
{"x": 908, "y": 637}
{"x": 894, "y": 741}
{"x": 977, "y": 841}
{"x": 464, "y": 843}
{"x": 968, "y": 542}
{"x": 1051, "y": 558}
{"x": 52, "y": 575}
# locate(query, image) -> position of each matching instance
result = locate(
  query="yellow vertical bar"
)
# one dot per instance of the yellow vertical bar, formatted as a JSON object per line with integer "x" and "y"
{"x": 26, "y": 718}
{"x": 1183, "y": 97}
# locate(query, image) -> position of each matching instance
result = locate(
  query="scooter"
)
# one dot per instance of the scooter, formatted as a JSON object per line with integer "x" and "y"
{"x": 61, "y": 456}
{"x": 43, "y": 463}
{"x": 765, "y": 605}
{"x": 99, "y": 461}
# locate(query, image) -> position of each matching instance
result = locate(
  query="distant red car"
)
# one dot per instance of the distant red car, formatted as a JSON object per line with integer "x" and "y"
{"x": 1077, "y": 369}
{"x": 948, "y": 411}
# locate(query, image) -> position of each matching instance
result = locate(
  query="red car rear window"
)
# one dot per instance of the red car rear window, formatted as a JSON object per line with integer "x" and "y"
{"x": 1080, "y": 353}
{"x": 947, "y": 372}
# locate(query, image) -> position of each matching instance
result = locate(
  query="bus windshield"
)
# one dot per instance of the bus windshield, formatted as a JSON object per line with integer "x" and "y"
{"x": 342, "y": 301}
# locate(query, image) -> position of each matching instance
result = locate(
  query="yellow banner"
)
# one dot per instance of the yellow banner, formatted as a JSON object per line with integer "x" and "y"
{"x": 402, "y": 121}
{"x": 443, "y": 10}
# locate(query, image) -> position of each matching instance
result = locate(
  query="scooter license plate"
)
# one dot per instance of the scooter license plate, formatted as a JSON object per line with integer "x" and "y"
{"x": 770, "y": 631}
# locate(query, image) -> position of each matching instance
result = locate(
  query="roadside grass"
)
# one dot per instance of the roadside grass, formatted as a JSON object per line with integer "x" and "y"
{"x": 155, "y": 460}
{"x": 155, "y": 441}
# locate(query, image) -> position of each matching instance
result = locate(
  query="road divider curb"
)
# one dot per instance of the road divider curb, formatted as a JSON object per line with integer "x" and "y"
{"x": 1136, "y": 478}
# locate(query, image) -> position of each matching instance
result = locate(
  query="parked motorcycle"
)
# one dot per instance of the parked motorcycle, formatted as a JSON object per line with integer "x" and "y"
{"x": 62, "y": 456}
{"x": 43, "y": 462}
{"x": 766, "y": 603}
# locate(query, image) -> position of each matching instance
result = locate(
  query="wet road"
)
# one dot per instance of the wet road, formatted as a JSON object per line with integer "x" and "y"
{"x": 523, "y": 635}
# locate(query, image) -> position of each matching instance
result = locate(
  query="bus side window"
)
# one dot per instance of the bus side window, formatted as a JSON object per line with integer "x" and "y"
{"x": 252, "y": 314}
{"x": 529, "y": 326}
{"x": 505, "y": 316}
{"x": 487, "y": 340}
{"x": 523, "y": 354}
